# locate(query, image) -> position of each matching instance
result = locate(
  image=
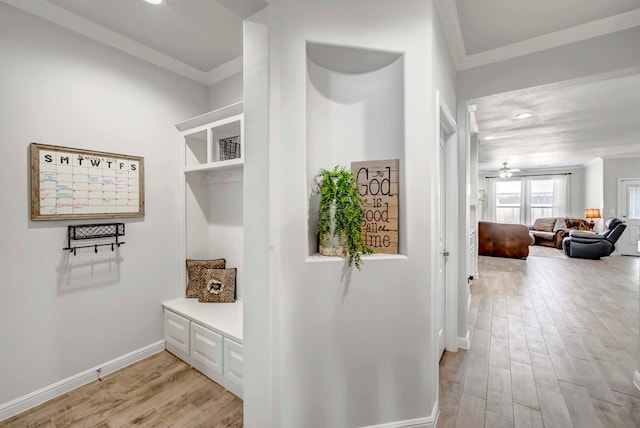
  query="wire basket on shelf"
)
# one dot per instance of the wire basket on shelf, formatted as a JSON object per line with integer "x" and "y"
{"x": 229, "y": 148}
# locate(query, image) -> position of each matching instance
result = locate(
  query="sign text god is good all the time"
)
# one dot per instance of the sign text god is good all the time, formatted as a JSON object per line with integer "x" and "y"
{"x": 378, "y": 185}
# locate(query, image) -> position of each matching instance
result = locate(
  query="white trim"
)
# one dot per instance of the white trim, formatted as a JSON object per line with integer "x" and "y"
{"x": 427, "y": 422}
{"x": 42, "y": 395}
{"x": 464, "y": 342}
{"x": 409, "y": 423}
{"x": 78, "y": 24}
{"x": 636, "y": 379}
{"x": 452, "y": 30}
{"x": 609, "y": 75}
{"x": 453, "y": 33}
{"x": 223, "y": 71}
{"x": 446, "y": 122}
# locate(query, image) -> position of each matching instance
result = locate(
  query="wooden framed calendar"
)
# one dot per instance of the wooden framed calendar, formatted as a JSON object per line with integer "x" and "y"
{"x": 71, "y": 183}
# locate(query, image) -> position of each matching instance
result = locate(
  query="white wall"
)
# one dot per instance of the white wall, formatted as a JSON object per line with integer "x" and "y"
{"x": 613, "y": 169}
{"x": 225, "y": 92}
{"x": 259, "y": 338}
{"x": 58, "y": 318}
{"x": 594, "y": 188}
{"x": 348, "y": 348}
{"x": 458, "y": 180}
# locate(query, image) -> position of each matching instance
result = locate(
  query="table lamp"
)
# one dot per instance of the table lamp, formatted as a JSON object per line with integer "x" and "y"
{"x": 592, "y": 213}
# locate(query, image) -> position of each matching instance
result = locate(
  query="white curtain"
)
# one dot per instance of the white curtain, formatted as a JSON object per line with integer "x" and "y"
{"x": 560, "y": 204}
{"x": 491, "y": 199}
{"x": 561, "y": 196}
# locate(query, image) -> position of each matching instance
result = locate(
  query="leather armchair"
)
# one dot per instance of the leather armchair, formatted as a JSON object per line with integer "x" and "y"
{"x": 593, "y": 246}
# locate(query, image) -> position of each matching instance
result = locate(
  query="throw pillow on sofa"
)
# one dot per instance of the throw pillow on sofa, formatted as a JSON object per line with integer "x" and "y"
{"x": 560, "y": 224}
{"x": 544, "y": 224}
{"x": 577, "y": 223}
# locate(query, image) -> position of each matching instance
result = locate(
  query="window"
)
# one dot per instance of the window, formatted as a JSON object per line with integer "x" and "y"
{"x": 508, "y": 196}
{"x": 541, "y": 199}
{"x": 525, "y": 199}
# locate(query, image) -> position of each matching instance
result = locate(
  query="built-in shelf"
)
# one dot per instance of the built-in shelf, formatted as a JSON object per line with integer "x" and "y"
{"x": 209, "y": 336}
{"x": 225, "y": 318}
{"x": 216, "y": 166}
{"x": 213, "y": 141}
{"x": 319, "y": 258}
{"x": 354, "y": 99}
{"x": 212, "y": 116}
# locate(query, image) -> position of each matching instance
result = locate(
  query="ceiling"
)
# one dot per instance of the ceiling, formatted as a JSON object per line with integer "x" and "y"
{"x": 189, "y": 31}
{"x": 572, "y": 124}
{"x": 199, "y": 39}
{"x": 491, "y": 24}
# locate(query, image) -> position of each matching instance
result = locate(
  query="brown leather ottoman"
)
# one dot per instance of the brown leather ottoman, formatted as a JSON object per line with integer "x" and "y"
{"x": 503, "y": 240}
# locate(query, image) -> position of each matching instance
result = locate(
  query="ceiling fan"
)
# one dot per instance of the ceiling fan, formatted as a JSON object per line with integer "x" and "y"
{"x": 506, "y": 172}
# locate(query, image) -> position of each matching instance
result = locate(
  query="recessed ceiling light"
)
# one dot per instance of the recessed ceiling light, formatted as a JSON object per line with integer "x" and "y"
{"x": 490, "y": 137}
{"x": 523, "y": 115}
{"x": 155, "y": 2}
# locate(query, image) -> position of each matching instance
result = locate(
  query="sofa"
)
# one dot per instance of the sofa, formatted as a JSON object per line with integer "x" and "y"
{"x": 503, "y": 240}
{"x": 594, "y": 245}
{"x": 550, "y": 231}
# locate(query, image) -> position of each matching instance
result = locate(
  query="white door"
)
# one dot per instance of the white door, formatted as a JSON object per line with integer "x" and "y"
{"x": 442, "y": 248}
{"x": 629, "y": 209}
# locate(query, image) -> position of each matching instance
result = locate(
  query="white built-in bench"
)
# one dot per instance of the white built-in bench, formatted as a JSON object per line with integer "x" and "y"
{"x": 208, "y": 336}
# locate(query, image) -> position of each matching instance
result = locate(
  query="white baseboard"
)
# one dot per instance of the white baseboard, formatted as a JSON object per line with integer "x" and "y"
{"x": 428, "y": 422}
{"x": 40, "y": 396}
{"x": 636, "y": 379}
{"x": 463, "y": 342}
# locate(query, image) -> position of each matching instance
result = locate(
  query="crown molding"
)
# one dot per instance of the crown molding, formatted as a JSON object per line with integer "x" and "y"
{"x": 452, "y": 30}
{"x": 78, "y": 24}
{"x": 453, "y": 33}
{"x": 574, "y": 34}
{"x": 223, "y": 71}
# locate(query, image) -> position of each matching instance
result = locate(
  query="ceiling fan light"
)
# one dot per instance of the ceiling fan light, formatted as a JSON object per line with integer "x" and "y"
{"x": 504, "y": 171}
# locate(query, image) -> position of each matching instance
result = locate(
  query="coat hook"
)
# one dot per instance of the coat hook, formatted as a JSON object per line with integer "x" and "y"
{"x": 112, "y": 246}
{"x": 74, "y": 251}
{"x": 96, "y": 249}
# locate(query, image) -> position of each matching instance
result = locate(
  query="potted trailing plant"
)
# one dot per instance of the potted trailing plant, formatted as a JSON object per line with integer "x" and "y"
{"x": 341, "y": 216}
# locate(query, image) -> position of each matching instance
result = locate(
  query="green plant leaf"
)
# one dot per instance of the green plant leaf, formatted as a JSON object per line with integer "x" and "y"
{"x": 339, "y": 187}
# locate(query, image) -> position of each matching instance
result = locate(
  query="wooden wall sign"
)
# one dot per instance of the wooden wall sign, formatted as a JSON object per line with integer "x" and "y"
{"x": 379, "y": 187}
{"x": 68, "y": 183}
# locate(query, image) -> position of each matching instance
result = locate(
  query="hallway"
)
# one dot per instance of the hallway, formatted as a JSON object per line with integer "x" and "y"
{"x": 554, "y": 344}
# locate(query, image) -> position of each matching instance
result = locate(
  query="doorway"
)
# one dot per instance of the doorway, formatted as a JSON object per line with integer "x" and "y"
{"x": 444, "y": 309}
{"x": 629, "y": 211}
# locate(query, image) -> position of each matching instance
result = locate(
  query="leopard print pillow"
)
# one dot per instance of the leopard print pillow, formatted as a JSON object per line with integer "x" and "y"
{"x": 195, "y": 270}
{"x": 220, "y": 286}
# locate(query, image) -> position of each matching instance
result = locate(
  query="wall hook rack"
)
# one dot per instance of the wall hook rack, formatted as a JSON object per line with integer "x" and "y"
{"x": 94, "y": 231}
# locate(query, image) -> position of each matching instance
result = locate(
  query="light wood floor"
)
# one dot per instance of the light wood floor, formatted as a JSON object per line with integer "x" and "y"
{"x": 160, "y": 391}
{"x": 554, "y": 344}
